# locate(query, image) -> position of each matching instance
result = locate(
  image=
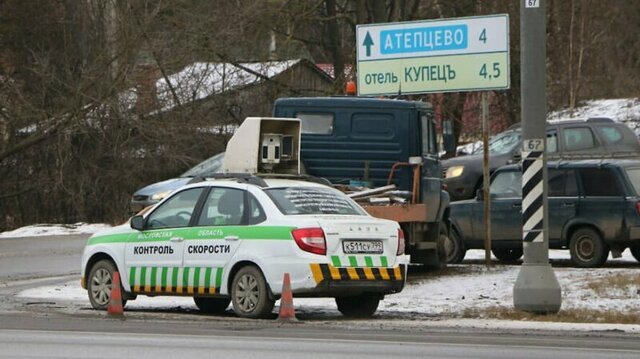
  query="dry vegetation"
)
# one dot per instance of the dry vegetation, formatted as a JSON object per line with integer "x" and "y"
{"x": 71, "y": 150}
{"x": 618, "y": 286}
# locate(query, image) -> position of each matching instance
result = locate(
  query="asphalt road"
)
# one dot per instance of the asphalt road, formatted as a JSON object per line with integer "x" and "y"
{"x": 40, "y": 336}
{"x": 49, "y": 330}
{"x": 37, "y": 257}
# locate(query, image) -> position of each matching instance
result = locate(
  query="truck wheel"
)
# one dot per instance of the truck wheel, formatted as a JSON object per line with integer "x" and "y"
{"x": 587, "y": 248}
{"x": 454, "y": 247}
{"x": 250, "y": 294}
{"x": 359, "y": 306}
{"x": 507, "y": 255}
{"x": 99, "y": 284}
{"x": 635, "y": 251}
{"x": 212, "y": 305}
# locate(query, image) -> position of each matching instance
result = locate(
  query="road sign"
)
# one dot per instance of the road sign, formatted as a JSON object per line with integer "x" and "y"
{"x": 462, "y": 54}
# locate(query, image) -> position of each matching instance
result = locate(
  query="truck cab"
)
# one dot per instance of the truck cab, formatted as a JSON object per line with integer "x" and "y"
{"x": 355, "y": 139}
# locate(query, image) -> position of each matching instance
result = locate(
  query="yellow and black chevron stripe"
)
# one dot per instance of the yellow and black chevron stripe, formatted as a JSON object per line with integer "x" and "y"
{"x": 322, "y": 272}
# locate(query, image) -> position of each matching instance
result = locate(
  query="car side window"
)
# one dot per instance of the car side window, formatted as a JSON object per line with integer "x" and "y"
{"x": 599, "y": 182}
{"x": 609, "y": 134}
{"x": 256, "y": 213}
{"x": 176, "y": 211}
{"x": 578, "y": 139}
{"x": 223, "y": 207}
{"x": 562, "y": 183}
{"x": 552, "y": 141}
{"x": 507, "y": 184}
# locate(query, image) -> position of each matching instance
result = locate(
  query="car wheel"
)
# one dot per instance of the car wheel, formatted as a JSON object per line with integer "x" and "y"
{"x": 250, "y": 294}
{"x": 359, "y": 306}
{"x": 441, "y": 250}
{"x": 635, "y": 251}
{"x": 507, "y": 255}
{"x": 454, "y": 247}
{"x": 99, "y": 284}
{"x": 212, "y": 305}
{"x": 587, "y": 248}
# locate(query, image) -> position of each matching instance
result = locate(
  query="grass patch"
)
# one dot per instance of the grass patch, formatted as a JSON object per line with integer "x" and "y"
{"x": 565, "y": 316}
{"x": 620, "y": 282}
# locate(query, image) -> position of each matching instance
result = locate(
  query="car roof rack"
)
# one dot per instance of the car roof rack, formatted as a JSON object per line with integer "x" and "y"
{"x": 240, "y": 177}
{"x": 259, "y": 179}
{"x": 303, "y": 177}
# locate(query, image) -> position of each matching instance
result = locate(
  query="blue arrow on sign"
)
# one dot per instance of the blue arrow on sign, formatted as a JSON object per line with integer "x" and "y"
{"x": 367, "y": 43}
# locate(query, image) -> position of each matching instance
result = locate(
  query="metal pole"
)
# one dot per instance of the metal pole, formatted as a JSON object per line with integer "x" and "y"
{"x": 485, "y": 182}
{"x": 537, "y": 289}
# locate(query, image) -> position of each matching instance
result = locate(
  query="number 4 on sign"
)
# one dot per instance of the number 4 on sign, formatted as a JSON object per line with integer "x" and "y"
{"x": 532, "y": 3}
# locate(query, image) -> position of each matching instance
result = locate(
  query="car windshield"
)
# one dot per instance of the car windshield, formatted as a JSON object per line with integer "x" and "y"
{"x": 634, "y": 176}
{"x": 312, "y": 200}
{"x": 502, "y": 143}
{"x": 210, "y": 165}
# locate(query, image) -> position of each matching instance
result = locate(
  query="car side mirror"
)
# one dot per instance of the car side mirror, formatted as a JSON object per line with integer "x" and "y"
{"x": 480, "y": 194}
{"x": 137, "y": 222}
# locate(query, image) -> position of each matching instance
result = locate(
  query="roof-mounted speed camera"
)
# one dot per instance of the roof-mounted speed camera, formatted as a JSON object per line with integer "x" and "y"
{"x": 264, "y": 145}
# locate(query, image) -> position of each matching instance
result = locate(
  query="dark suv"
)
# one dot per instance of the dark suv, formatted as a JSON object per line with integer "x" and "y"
{"x": 591, "y": 138}
{"x": 594, "y": 208}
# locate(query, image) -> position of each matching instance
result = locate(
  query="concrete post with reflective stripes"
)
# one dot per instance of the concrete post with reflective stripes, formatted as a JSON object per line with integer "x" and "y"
{"x": 537, "y": 289}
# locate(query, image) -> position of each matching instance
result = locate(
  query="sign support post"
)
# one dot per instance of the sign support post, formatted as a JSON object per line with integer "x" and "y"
{"x": 536, "y": 289}
{"x": 486, "y": 180}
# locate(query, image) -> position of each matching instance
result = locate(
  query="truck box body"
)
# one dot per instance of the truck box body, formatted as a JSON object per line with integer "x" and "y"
{"x": 362, "y": 130}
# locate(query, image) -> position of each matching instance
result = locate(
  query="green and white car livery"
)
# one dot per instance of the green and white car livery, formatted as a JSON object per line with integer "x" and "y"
{"x": 229, "y": 240}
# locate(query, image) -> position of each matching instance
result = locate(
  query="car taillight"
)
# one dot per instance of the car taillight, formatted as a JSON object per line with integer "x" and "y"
{"x": 310, "y": 240}
{"x": 400, "y": 250}
{"x": 638, "y": 208}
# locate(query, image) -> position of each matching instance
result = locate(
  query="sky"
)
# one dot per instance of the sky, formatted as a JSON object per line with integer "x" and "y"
{"x": 430, "y": 301}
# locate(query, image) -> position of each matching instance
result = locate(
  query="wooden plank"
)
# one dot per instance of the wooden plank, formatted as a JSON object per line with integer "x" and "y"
{"x": 404, "y": 213}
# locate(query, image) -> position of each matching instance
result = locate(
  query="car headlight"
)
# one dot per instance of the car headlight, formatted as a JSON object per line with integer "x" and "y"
{"x": 454, "y": 171}
{"x": 160, "y": 195}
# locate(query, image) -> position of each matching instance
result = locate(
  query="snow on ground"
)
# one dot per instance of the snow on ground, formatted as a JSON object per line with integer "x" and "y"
{"x": 625, "y": 110}
{"x": 437, "y": 300}
{"x": 54, "y": 230}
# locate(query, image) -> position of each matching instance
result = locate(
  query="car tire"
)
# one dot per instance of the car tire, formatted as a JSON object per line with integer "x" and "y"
{"x": 358, "y": 306}
{"x": 587, "y": 248}
{"x": 455, "y": 248}
{"x": 250, "y": 294}
{"x": 99, "y": 284}
{"x": 212, "y": 305}
{"x": 507, "y": 255}
{"x": 635, "y": 251}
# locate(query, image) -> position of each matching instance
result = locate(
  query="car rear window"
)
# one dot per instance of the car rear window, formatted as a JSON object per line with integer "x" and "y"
{"x": 312, "y": 200}
{"x": 634, "y": 177}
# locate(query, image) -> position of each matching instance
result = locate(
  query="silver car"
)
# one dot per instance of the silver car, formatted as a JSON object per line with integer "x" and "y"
{"x": 153, "y": 193}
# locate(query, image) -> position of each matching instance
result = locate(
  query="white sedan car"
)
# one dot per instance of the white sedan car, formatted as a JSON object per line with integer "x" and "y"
{"x": 232, "y": 240}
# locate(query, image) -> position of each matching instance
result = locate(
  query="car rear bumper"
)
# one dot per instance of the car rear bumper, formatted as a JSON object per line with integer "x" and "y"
{"x": 334, "y": 281}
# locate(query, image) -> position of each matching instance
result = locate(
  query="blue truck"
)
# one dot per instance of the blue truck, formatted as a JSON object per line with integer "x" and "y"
{"x": 355, "y": 140}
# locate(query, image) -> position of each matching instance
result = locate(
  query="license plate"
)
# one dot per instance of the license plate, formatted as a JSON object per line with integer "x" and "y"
{"x": 360, "y": 247}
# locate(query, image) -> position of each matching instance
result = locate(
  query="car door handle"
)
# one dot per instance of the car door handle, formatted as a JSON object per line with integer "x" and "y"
{"x": 517, "y": 205}
{"x": 176, "y": 239}
{"x": 231, "y": 238}
{"x": 568, "y": 204}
